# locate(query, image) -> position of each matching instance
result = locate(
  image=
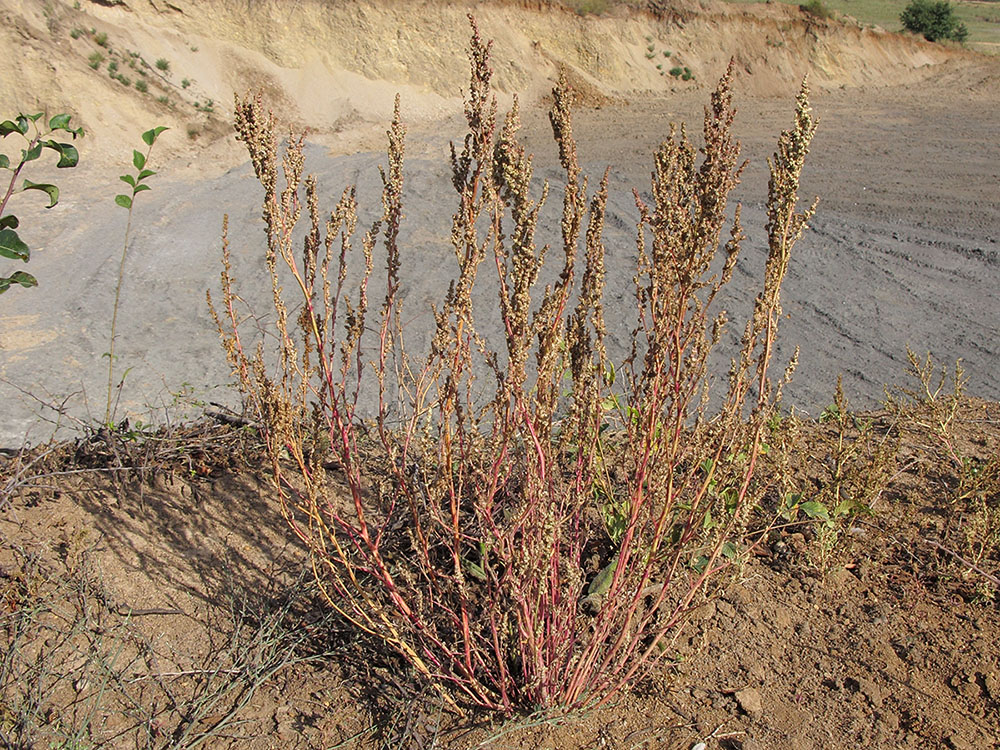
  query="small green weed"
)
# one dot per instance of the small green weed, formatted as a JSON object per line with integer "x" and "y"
{"x": 861, "y": 461}
{"x": 95, "y": 60}
{"x": 101, "y": 39}
{"x": 932, "y": 404}
{"x": 138, "y": 185}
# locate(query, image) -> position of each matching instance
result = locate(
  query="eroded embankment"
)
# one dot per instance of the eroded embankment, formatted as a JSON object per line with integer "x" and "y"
{"x": 335, "y": 65}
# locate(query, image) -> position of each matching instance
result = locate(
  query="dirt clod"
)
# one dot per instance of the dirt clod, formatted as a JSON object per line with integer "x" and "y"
{"x": 750, "y": 701}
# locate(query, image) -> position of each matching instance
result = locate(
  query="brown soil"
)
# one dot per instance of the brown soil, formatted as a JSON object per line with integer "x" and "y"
{"x": 152, "y": 610}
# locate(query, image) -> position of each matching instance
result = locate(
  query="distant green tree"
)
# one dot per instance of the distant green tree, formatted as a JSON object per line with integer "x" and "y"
{"x": 934, "y": 19}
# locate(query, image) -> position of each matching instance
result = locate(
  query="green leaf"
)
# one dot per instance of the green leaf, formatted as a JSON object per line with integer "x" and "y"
{"x": 60, "y": 122}
{"x": 151, "y": 135}
{"x": 22, "y": 124}
{"x": 474, "y": 569}
{"x": 138, "y": 159}
{"x": 129, "y": 179}
{"x": 850, "y": 507}
{"x": 32, "y": 153}
{"x": 68, "y": 155}
{"x": 9, "y": 221}
{"x": 830, "y": 414}
{"x": 708, "y": 522}
{"x": 11, "y": 246}
{"x": 790, "y": 505}
{"x": 602, "y": 581}
{"x": 731, "y": 499}
{"x": 20, "y": 277}
{"x": 144, "y": 174}
{"x": 140, "y": 188}
{"x": 4, "y": 162}
{"x": 7, "y": 127}
{"x": 24, "y": 279}
{"x": 815, "y": 509}
{"x": 51, "y": 190}
{"x": 35, "y": 117}
{"x": 124, "y": 201}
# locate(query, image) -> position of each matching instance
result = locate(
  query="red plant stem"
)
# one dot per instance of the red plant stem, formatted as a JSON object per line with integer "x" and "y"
{"x": 13, "y": 178}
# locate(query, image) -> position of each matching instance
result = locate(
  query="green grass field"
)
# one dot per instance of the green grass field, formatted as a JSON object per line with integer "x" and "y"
{"x": 982, "y": 17}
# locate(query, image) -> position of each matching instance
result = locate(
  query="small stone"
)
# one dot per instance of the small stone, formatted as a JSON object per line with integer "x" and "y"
{"x": 726, "y": 610}
{"x": 284, "y": 722}
{"x": 741, "y": 598}
{"x": 750, "y": 701}
{"x": 992, "y": 682}
{"x": 957, "y": 742}
{"x": 705, "y": 612}
{"x": 969, "y": 691}
{"x": 889, "y": 720}
{"x": 871, "y": 691}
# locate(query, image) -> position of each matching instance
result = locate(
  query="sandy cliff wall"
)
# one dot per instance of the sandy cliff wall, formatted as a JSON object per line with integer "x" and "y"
{"x": 332, "y": 64}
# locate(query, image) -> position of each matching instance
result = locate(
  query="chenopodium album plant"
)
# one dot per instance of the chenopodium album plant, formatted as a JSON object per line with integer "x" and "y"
{"x": 468, "y": 538}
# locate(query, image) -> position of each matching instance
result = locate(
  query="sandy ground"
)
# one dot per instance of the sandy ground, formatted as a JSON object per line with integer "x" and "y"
{"x": 902, "y": 252}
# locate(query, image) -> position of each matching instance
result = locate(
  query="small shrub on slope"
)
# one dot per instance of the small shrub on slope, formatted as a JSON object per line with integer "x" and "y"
{"x": 935, "y": 20}
{"x": 816, "y": 9}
